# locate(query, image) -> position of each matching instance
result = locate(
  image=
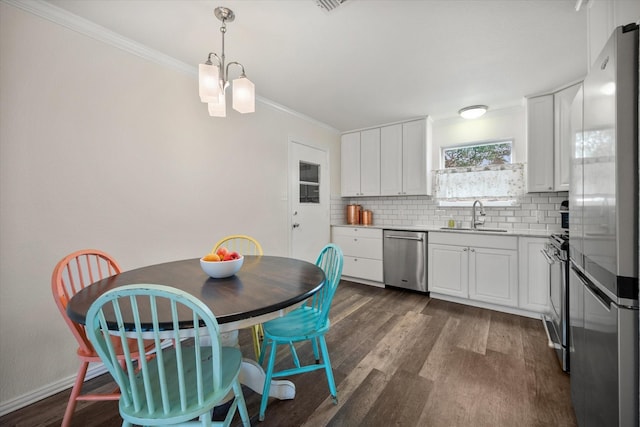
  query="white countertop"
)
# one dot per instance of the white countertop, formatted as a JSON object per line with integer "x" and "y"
{"x": 432, "y": 228}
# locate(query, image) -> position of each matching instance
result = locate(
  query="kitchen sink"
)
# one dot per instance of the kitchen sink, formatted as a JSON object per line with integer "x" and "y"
{"x": 492, "y": 230}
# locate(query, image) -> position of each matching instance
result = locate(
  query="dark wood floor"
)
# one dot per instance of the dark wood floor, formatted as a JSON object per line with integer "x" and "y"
{"x": 399, "y": 358}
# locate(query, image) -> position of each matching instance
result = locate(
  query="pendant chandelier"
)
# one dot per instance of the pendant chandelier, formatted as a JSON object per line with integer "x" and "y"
{"x": 213, "y": 78}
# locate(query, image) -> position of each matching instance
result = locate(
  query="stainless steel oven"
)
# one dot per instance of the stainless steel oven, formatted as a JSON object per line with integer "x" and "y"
{"x": 556, "y": 322}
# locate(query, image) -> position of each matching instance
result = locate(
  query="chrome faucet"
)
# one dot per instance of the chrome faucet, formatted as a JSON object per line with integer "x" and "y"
{"x": 475, "y": 221}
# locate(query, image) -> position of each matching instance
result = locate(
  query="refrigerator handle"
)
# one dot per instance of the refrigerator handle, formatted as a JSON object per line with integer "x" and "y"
{"x": 598, "y": 295}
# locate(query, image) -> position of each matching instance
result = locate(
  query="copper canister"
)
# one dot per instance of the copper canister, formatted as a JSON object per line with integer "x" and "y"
{"x": 353, "y": 214}
{"x": 367, "y": 217}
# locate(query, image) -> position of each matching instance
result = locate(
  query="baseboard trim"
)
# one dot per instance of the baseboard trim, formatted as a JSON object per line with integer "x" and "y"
{"x": 363, "y": 281}
{"x": 488, "y": 306}
{"x": 95, "y": 369}
{"x": 48, "y": 390}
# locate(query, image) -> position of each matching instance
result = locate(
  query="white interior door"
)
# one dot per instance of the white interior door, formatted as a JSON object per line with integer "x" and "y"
{"x": 309, "y": 200}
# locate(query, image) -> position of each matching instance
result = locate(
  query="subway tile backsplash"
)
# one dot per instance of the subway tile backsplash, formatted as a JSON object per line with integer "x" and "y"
{"x": 535, "y": 211}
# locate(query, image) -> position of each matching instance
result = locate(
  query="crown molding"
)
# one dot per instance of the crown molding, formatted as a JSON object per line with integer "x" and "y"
{"x": 90, "y": 29}
{"x": 97, "y": 32}
{"x": 295, "y": 113}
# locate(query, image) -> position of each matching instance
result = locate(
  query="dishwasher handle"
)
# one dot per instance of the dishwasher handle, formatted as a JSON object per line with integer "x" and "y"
{"x": 393, "y": 236}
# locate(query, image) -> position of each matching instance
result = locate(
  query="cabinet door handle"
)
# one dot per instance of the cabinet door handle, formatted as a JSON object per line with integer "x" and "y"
{"x": 465, "y": 249}
{"x": 355, "y": 240}
{"x": 472, "y": 250}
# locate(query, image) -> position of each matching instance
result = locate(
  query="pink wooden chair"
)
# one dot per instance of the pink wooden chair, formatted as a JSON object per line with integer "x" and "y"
{"x": 70, "y": 275}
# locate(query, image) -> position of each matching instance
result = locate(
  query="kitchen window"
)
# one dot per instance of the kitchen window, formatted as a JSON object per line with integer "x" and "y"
{"x": 482, "y": 170}
{"x": 490, "y": 153}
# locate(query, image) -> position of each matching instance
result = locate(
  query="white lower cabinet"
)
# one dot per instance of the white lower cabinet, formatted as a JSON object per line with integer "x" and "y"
{"x": 478, "y": 267}
{"x": 534, "y": 275}
{"x": 493, "y": 270}
{"x": 362, "y": 249}
{"x": 493, "y": 275}
{"x": 448, "y": 269}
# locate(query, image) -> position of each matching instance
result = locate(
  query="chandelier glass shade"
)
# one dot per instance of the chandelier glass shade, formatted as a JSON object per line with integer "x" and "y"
{"x": 213, "y": 78}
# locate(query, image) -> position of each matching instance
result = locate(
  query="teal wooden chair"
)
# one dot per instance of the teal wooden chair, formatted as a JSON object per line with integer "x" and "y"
{"x": 183, "y": 382}
{"x": 309, "y": 322}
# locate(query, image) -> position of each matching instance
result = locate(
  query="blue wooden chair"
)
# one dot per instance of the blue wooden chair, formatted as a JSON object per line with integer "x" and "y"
{"x": 183, "y": 382}
{"x": 309, "y": 322}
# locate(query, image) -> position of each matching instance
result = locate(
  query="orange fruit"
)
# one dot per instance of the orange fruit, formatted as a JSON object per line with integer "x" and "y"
{"x": 211, "y": 257}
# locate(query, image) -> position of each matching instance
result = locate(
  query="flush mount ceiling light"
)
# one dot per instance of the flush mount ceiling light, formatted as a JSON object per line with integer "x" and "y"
{"x": 473, "y": 112}
{"x": 213, "y": 78}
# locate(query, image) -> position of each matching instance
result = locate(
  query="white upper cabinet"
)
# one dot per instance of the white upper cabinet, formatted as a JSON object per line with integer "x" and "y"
{"x": 562, "y": 136}
{"x": 370, "y": 162}
{"x": 405, "y": 161}
{"x": 350, "y": 164}
{"x": 549, "y": 140}
{"x": 391, "y": 160}
{"x": 416, "y": 158}
{"x": 360, "y": 163}
{"x": 540, "y": 143}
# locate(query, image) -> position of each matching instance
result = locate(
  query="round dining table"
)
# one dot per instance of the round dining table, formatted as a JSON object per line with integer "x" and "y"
{"x": 266, "y": 287}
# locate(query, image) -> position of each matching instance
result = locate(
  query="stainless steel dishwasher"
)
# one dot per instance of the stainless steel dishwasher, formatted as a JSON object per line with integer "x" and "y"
{"x": 405, "y": 259}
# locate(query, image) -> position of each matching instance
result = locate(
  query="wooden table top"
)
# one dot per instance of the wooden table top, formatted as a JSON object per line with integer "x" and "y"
{"x": 264, "y": 285}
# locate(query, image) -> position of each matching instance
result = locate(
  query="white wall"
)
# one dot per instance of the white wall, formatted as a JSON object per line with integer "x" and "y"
{"x": 100, "y": 148}
{"x": 506, "y": 123}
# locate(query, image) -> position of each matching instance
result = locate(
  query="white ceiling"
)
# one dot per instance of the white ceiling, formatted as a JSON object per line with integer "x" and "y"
{"x": 369, "y": 62}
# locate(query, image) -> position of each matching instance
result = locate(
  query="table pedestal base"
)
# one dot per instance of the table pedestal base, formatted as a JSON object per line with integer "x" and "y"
{"x": 252, "y": 375}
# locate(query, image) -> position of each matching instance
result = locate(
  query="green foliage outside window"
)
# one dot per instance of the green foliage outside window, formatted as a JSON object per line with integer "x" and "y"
{"x": 496, "y": 153}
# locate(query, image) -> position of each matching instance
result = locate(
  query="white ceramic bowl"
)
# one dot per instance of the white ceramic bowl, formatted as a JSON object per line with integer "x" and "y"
{"x": 221, "y": 269}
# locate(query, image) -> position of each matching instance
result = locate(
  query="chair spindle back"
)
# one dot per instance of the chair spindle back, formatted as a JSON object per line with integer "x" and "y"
{"x": 330, "y": 260}
{"x": 72, "y": 274}
{"x": 163, "y": 384}
{"x": 243, "y": 244}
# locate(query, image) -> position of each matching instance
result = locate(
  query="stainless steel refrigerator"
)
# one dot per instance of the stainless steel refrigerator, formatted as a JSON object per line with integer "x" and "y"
{"x": 603, "y": 238}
